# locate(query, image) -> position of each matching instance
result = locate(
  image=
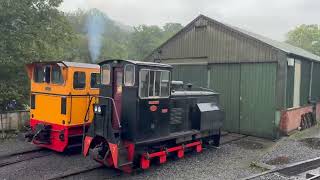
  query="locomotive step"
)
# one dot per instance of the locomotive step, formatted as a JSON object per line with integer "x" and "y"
{"x": 123, "y": 157}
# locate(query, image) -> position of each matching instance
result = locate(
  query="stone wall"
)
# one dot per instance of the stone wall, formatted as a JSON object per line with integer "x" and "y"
{"x": 13, "y": 120}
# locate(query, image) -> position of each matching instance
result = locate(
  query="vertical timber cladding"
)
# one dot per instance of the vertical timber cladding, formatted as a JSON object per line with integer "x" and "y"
{"x": 257, "y": 99}
{"x": 225, "y": 79}
{"x": 197, "y": 75}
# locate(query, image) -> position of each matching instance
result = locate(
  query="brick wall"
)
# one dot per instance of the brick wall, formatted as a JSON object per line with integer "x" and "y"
{"x": 291, "y": 118}
{"x": 318, "y": 112}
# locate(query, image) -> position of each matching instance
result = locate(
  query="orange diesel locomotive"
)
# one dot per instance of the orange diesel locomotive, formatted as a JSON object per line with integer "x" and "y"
{"x": 60, "y": 102}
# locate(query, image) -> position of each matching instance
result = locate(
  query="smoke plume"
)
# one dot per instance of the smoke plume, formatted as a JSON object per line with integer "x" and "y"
{"x": 95, "y": 26}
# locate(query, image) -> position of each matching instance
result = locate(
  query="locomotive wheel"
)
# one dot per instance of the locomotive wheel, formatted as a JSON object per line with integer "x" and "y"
{"x": 100, "y": 153}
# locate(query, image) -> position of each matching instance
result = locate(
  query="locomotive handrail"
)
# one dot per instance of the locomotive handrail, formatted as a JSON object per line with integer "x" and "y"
{"x": 115, "y": 107}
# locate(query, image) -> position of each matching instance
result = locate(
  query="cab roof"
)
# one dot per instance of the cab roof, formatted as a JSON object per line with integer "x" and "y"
{"x": 140, "y": 63}
{"x": 70, "y": 64}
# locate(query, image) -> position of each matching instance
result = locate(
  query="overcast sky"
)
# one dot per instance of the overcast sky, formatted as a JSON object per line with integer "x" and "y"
{"x": 272, "y": 18}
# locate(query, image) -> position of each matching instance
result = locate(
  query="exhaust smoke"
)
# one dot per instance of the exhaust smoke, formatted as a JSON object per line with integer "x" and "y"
{"x": 95, "y": 26}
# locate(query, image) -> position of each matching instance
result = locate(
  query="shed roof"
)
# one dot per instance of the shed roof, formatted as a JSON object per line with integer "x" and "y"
{"x": 288, "y": 48}
{"x": 285, "y": 47}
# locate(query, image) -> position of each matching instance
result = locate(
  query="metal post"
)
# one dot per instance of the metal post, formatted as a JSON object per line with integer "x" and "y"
{"x": 310, "y": 83}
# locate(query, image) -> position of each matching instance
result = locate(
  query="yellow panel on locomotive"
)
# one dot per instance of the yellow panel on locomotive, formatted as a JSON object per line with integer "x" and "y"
{"x": 61, "y": 102}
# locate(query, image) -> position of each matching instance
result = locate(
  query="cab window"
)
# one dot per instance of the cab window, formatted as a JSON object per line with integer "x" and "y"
{"x": 154, "y": 84}
{"x": 165, "y": 84}
{"x": 56, "y": 75}
{"x": 144, "y": 83}
{"x": 129, "y": 75}
{"x": 95, "y": 80}
{"x": 105, "y": 74}
{"x": 38, "y": 74}
{"x": 79, "y": 80}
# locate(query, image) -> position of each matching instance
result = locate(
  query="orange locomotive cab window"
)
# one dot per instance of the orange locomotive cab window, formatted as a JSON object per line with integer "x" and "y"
{"x": 38, "y": 74}
{"x": 79, "y": 80}
{"x": 56, "y": 75}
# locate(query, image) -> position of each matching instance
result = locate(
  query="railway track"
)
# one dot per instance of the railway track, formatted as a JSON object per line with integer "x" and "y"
{"x": 18, "y": 157}
{"x": 303, "y": 170}
{"x": 113, "y": 173}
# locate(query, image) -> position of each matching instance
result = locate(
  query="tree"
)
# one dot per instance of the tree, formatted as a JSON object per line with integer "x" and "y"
{"x": 171, "y": 28}
{"x": 306, "y": 37}
{"x": 145, "y": 38}
{"x": 31, "y": 30}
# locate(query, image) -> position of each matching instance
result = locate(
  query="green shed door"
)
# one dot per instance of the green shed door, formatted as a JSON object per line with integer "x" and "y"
{"x": 257, "y": 99}
{"x": 225, "y": 78}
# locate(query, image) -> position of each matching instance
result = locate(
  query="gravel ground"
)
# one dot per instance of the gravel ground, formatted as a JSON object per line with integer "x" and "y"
{"x": 9, "y": 146}
{"x": 231, "y": 161}
{"x": 301, "y": 146}
{"x": 44, "y": 167}
{"x": 273, "y": 176}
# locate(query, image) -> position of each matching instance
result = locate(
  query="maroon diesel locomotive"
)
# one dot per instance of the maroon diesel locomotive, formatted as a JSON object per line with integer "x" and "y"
{"x": 142, "y": 116}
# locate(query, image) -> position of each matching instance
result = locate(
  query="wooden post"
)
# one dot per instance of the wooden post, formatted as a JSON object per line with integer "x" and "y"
{"x": 2, "y": 128}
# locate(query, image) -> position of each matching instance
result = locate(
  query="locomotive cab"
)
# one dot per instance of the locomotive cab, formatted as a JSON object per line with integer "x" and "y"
{"x": 59, "y": 99}
{"x": 139, "y": 115}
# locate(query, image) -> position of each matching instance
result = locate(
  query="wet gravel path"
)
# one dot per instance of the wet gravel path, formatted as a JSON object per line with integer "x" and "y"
{"x": 231, "y": 161}
{"x": 15, "y": 146}
{"x": 299, "y": 147}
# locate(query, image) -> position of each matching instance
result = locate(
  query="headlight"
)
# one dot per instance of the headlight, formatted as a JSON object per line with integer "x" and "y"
{"x": 97, "y": 109}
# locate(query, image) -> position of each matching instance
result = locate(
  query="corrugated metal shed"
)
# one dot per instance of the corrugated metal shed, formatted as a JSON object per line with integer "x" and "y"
{"x": 251, "y": 72}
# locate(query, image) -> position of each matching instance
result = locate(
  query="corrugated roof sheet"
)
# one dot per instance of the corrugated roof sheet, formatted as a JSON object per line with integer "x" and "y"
{"x": 285, "y": 47}
{"x": 290, "y": 49}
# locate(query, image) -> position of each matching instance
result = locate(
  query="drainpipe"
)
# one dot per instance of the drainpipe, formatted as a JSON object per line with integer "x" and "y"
{"x": 312, "y": 101}
{"x": 310, "y": 83}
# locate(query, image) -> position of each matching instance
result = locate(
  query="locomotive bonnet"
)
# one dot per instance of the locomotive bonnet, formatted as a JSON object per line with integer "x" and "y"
{"x": 143, "y": 115}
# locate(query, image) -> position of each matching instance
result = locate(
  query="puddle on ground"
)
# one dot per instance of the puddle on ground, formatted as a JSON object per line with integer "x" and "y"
{"x": 313, "y": 143}
{"x": 249, "y": 144}
{"x": 280, "y": 160}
